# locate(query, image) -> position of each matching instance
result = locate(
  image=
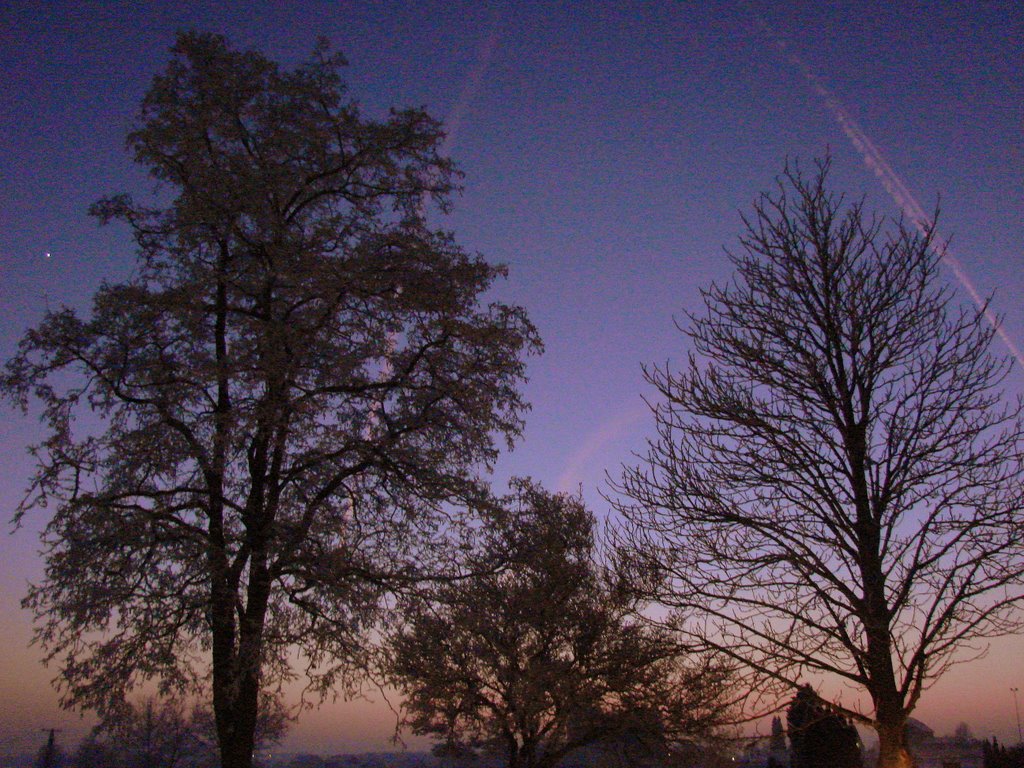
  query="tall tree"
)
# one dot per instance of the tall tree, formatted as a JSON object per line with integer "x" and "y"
{"x": 290, "y": 392}
{"x": 539, "y": 657}
{"x": 836, "y": 482}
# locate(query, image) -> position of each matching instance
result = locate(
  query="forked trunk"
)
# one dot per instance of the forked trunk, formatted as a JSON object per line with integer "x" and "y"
{"x": 237, "y": 748}
{"x": 236, "y": 699}
{"x": 237, "y": 680}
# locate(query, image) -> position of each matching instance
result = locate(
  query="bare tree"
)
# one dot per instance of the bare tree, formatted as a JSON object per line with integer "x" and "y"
{"x": 286, "y": 398}
{"x": 836, "y": 483}
{"x": 166, "y": 733}
{"x": 155, "y": 733}
{"x": 540, "y": 657}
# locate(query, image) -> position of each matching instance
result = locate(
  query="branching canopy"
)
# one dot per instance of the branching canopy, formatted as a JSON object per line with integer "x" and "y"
{"x": 297, "y": 381}
{"x": 836, "y": 483}
{"x": 542, "y": 656}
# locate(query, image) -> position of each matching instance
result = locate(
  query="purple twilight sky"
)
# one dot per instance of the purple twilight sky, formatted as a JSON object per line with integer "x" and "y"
{"x": 609, "y": 148}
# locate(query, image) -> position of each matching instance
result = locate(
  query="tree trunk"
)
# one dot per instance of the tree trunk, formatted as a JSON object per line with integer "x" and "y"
{"x": 236, "y": 752}
{"x": 226, "y": 681}
{"x": 236, "y": 703}
{"x": 237, "y": 650}
{"x": 876, "y": 614}
{"x": 229, "y": 701}
{"x": 237, "y": 671}
{"x": 892, "y": 746}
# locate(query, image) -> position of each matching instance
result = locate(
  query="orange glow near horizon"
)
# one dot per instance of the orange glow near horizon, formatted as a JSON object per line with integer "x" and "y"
{"x": 976, "y": 693}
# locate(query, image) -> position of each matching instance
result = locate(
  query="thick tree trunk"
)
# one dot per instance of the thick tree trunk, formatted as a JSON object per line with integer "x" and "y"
{"x": 236, "y": 687}
{"x": 237, "y": 670}
{"x": 237, "y": 651}
{"x": 228, "y": 685}
{"x": 892, "y": 747}
{"x": 890, "y": 714}
{"x": 236, "y": 752}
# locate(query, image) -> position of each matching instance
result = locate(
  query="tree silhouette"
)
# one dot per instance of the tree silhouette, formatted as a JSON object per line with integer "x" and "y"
{"x": 50, "y": 754}
{"x": 963, "y": 733}
{"x": 540, "y": 656}
{"x": 836, "y": 483}
{"x": 996, "y": 755}
{"x": 293, "y": 390}
{"x": 778, "y": 741}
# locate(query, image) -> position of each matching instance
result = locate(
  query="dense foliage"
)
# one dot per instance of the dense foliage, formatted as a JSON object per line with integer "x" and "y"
{"x": 540, "y": 654}
{"x": 263, "y": 432}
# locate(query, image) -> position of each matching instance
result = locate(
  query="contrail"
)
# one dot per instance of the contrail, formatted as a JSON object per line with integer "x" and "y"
{"x": 470, "y": 86}
{"x": 453, "y": 120}
{"x": 598, "y": 438}
{"x": 892, "y": 183}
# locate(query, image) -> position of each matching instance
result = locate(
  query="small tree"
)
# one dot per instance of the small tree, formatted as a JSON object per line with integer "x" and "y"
{"x": 538, "y": 657}
{"x": 836, "y": 483}
{"x": 820, "y": 737}
{"x": 50, "y": 754}
{"x": 159, "y": 733}
{"x": 155, "y": 735}
{"x": 778, "y": 740}
{"x": 963, "y": 733}
{"x": 292, "y": 392}
{"x": 995, "y": 755}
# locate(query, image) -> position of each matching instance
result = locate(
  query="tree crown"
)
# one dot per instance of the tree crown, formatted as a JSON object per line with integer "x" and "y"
{"x": 289, "y": 397}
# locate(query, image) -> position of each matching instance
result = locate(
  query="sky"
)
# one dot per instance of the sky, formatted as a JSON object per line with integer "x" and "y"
{"x": 609, "y": 149}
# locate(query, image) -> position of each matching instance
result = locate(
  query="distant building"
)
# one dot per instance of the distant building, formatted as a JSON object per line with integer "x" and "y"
{"x": 933, "y": 752}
